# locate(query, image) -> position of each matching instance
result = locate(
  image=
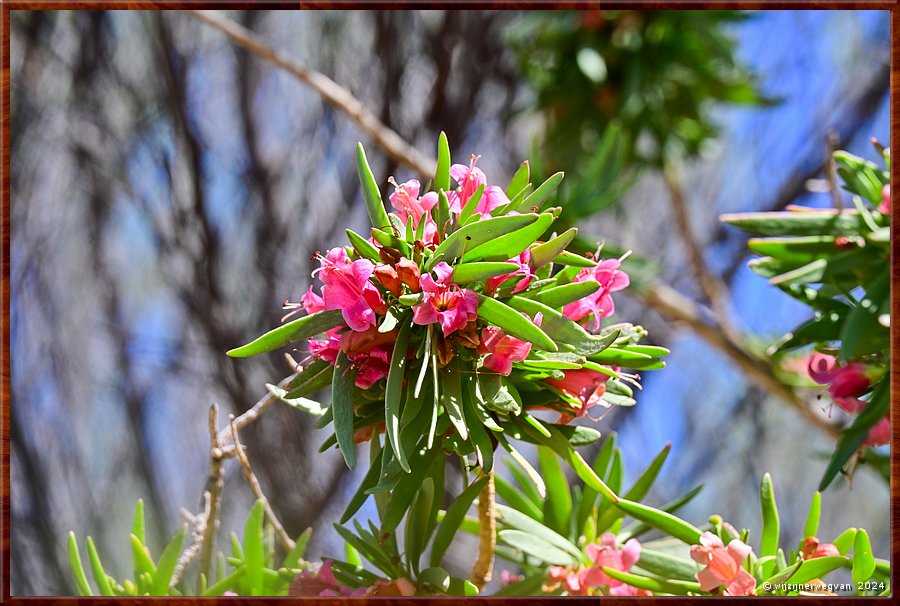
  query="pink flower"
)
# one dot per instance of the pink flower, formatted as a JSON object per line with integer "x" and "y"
{"x": 812, "y": 549}
{"x": 311, "y": 302}
{"x": 723, "y": 565}
{"x": 502, "y": 349}
{"x": 606, "y": 554}
{"x": 347, "y": 287}
{"x": 525, "y": 270}
{"x": 321, "y": 583}
{"x": 582, "y": 580}
{"x": 326, "y": 349}
{"x": 880, "y": 433}
{"x": 445, "y": 302}
{"x": 508, "y": 578}
{"x": 851, "y": 405}
{"x": 469, "y": 178}
{"x": 885, "y": 206}
{"x": 845, "y": 381}
{"x": 601, "y": 303}
{"x": 407, "y": 202}
{"x": 588, "y": 386}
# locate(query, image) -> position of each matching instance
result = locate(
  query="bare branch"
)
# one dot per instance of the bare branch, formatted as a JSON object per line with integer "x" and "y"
{"x": 212, "y": 494}
{"x": 831, "y": 143}
{"x": 200, "y": 522}
{"x": 333, "y": 93}
{"x": 487, "y": 535}
{"x": 283, "y": 536}
{"x": 672, "y": 304}
{"x": 712, "y": 286}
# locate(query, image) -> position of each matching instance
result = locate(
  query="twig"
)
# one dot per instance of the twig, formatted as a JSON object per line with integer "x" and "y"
{"x": 710, "y": 284}
{"x": 200, "y": 522}
{"x": 396, "y": 147}
{"x": 249, "y": 416}
{"x": 831, "y": 143}
{"x": 283, "y": 536}
{"x": 672, "y": 304}
{"x": 212, "y": 495}
{"x": 487, "y": 535}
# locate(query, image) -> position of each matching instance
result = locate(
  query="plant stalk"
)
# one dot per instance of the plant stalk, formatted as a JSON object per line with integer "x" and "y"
{"x": 487, "y": 535}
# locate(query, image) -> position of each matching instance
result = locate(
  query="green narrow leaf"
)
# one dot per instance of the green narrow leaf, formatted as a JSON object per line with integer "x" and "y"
{"x": 371, "y": 193}
{"x": 512, "y": 519}
{"x": 661, "y": 520}
{"x": 639, "y": 489}
{"x": 360, "y": 496}
{"x": 167, "y": 562}
{"x": 471, "y": 204}
{"x": 137, "y": 525}
{"x": 451, "y": 397}
{"x": 226, "y": 583}
{"x": 817, "y": 568}
{"x": 363, "y": 247}
{"x": 561, "y": 329}
{"x": 654, "y": 585}
{"x": 600, "y": 467}
{"x": 863, "y": 560}
{"x": 549, "y": 250}
{"x": 393, "y": 394}
{"x": 771, "y": 526}
{"x": 812, "y": 517}
{"x": 805, "y": 223}
{"x": 409, "y": 484}
{"x": 666, "y": 565}
{"x": 293, "y": 557}
{"x": 464, "y": 273}
{"x": 417, "y": 521}
{"x": 560, "y": 296}
{"x": 536, "y": 547}
{"x": 558, "y": 504}
{"x": 81, "y": 582}
{"x": 501, "y": 315}
{"x": 100, "y": 577}
{"x": 296, "y": 330}
{"x": 342, "y": 385}
{"x": 845, "y": 540}
{"x": 484, "y": 447}
{"x": 519, "y": 180}
{"x": 253, "y": 547}
{"x": 442, "y": 175}
{"x": 476, "y": 233}
{"x": 453, "y": 519}
{"x": 536, "y": 199}
{"x": 143, "y": 563}
{"x": 509, "y": 245}
{"x": 516, "y": 499}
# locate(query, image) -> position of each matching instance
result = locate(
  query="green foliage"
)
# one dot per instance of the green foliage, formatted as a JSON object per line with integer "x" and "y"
{"x": 250, "y": 570}
{"x": 837, "y": 262}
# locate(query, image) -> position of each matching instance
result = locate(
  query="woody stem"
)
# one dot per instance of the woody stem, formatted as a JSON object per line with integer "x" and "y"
{"x": 487, "y": 533}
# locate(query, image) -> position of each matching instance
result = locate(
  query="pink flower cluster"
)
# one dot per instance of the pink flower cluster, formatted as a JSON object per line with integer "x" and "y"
{"x": 845, "y": 384}
{"x": 363, "y": 290}
{"x": 322, "y": 583}
{"x": 724, "y": 565}
{"x": 591, "y": 580}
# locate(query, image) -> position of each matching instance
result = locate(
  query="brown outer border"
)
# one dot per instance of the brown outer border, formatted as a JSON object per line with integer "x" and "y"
{"x": 891, "y": 5}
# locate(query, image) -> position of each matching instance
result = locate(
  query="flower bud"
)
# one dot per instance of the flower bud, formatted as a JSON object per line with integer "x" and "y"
{"x": 388, "y": 278}
{"x": 408, "y": 273}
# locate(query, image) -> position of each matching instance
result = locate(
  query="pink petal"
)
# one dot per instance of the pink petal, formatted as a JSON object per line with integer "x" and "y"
{"x": 738, "y": 550}
{"x": 631, "y": 553}
{"x": 708, "y": 581}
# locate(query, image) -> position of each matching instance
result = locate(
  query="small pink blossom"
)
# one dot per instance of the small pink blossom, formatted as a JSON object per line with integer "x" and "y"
{"x": 599, "y": 304}
{"x": 502, "y": 350}
{"x": 812, "y": 549}
{"x": 347, "y": 287}
{"x": 723, "y": 565}
{"x": 588, "y": 386}
{"x": 407, "y": 203}
{"x": 880, "y": 433}
{"x": 508, "y": 578}
{"x": 469, "y": 178}
{"x": 328, "y": 348}
{"x": 320, "y": 583}
{"x": 847, "y": 381}
{"x": 885, "y": 206}
{"x": 605, "y": 554}
{"x": 525, "y": 270}
{"x": 444, "y": 302}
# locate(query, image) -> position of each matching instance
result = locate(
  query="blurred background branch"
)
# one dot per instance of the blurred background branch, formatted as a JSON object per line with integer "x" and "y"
{"x": 169, "y": 189}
